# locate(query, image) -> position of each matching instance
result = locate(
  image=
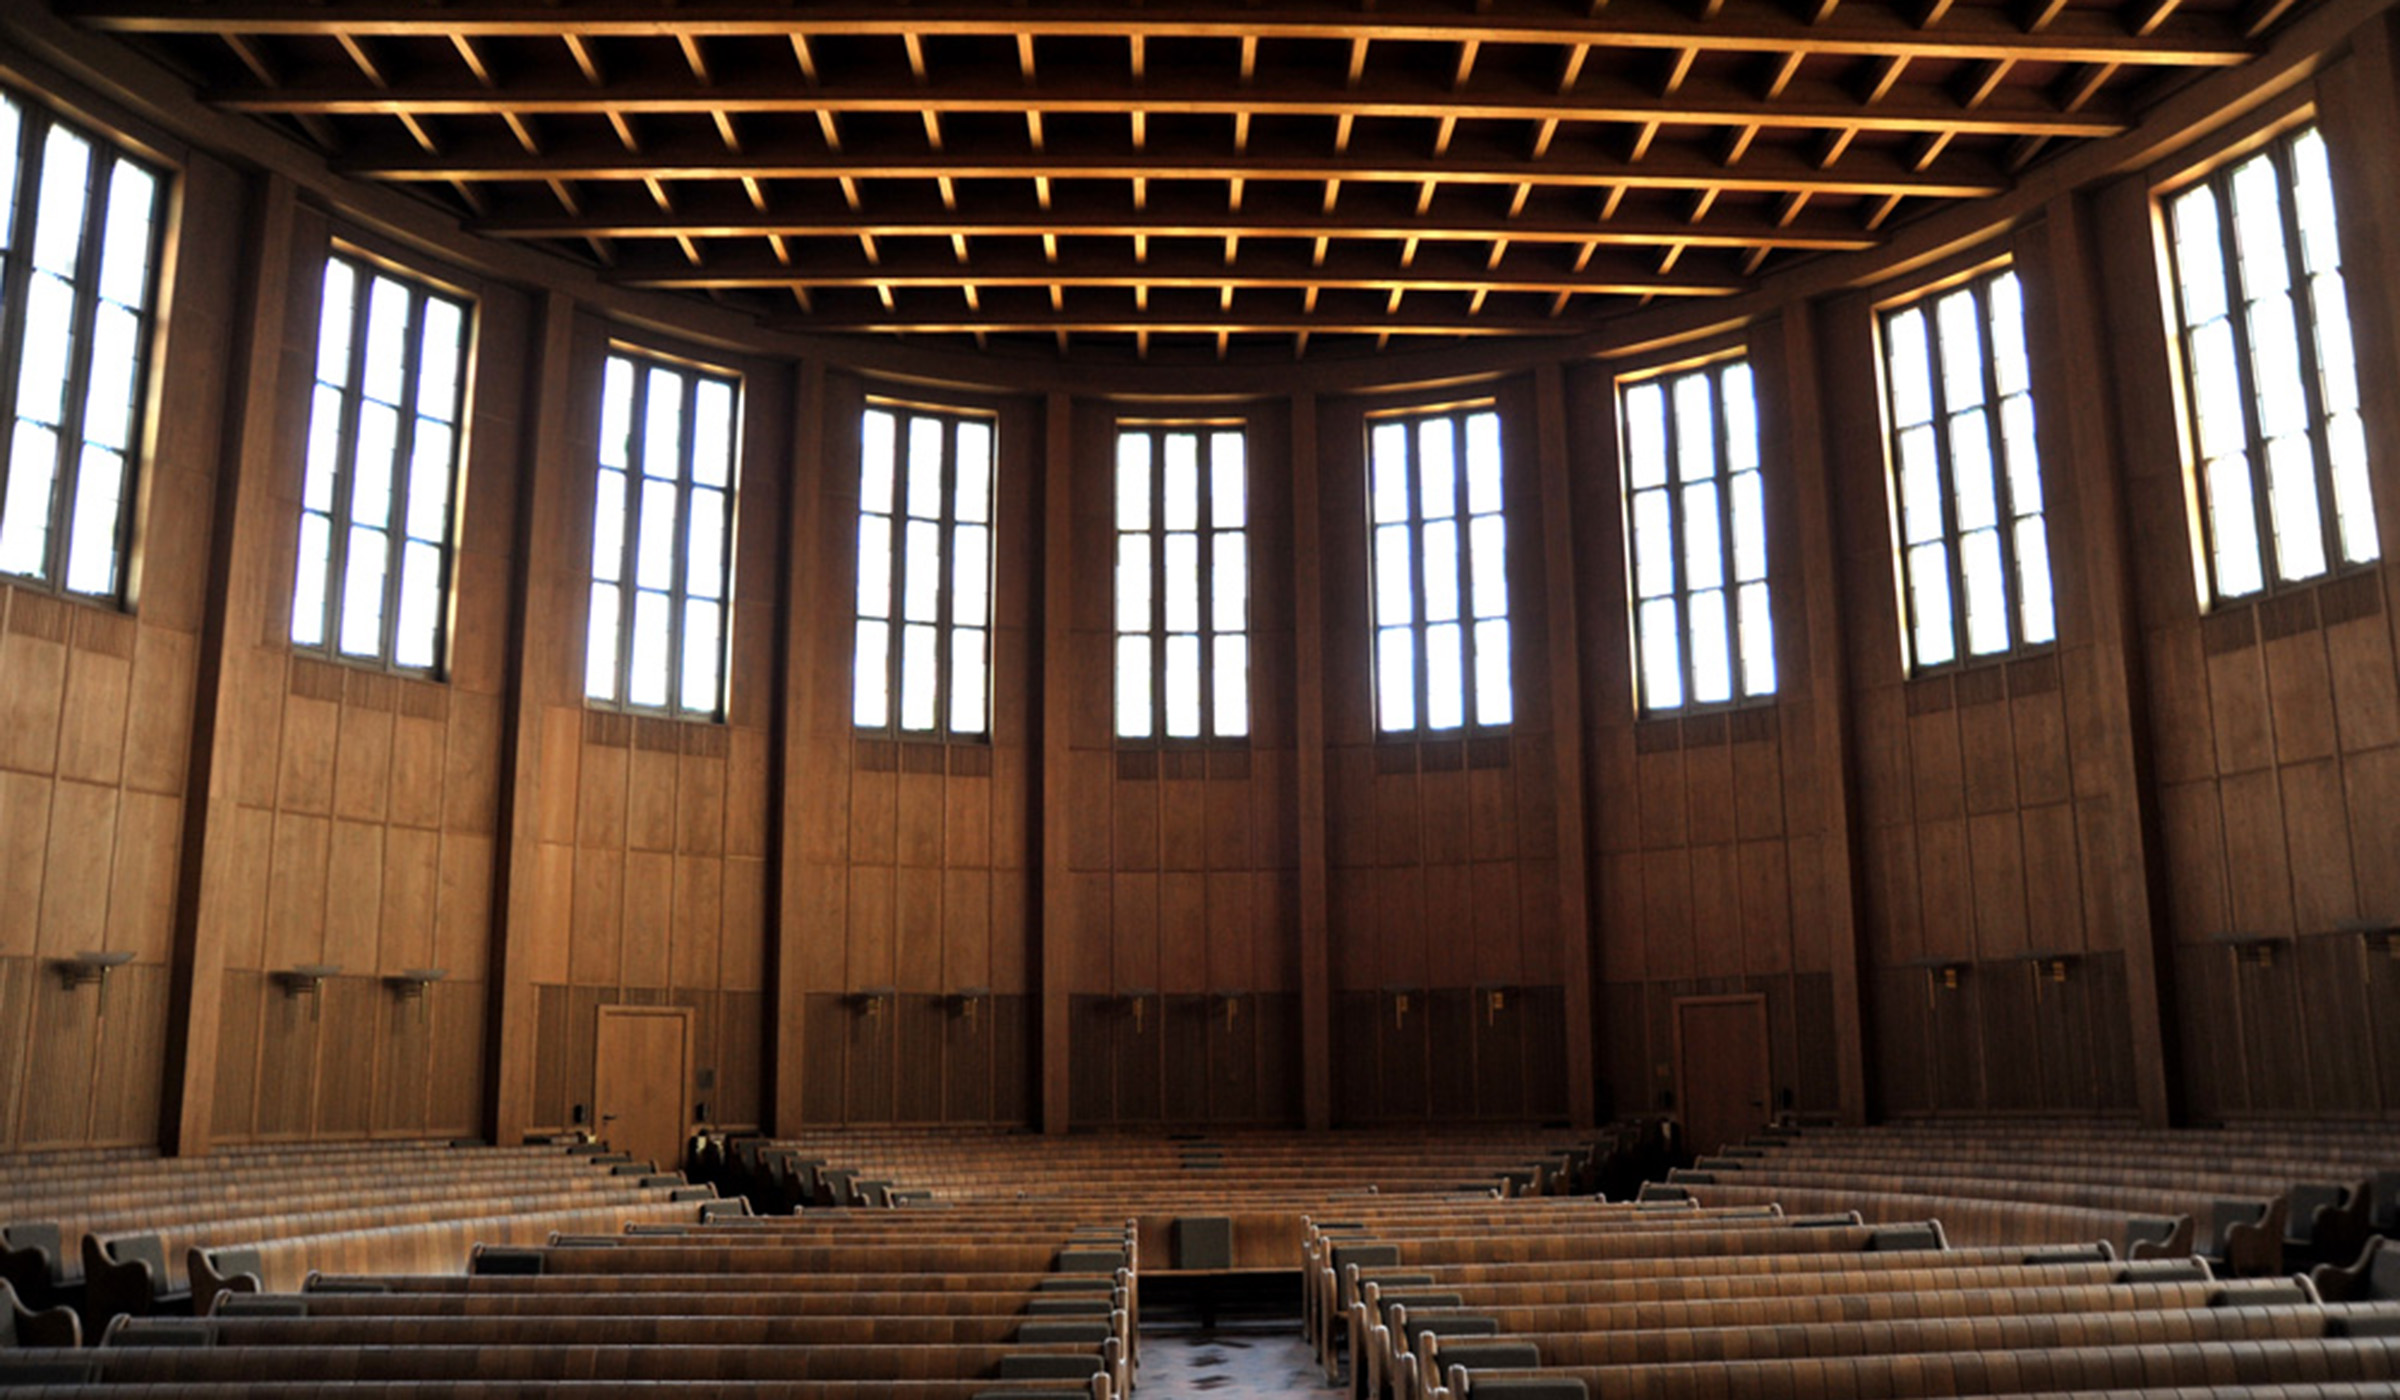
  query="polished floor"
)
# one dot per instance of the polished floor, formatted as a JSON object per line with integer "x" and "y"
{"x": 1229, "y": 1363}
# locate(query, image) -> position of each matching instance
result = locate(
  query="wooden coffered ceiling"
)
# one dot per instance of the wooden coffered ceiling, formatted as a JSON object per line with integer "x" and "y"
{"x": 1190, "y": 181}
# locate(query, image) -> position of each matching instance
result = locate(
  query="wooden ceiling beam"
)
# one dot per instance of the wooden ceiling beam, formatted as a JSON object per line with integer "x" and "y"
{"x": 1857, "y": 27}
{"x": 1618, "y": 273}
{"x": 1413, "y": 321}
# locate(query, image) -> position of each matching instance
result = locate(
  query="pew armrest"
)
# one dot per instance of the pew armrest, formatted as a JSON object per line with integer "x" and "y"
{"x": 36, "y": 1327}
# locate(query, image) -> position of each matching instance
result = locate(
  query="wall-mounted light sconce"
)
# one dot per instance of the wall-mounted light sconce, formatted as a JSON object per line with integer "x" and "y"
{"x": 409, "y": 983}
{"x": 2051, "y": 967}
{"x": 2252, "y": 949}
{"x": 1139, "y": 999}
{"x": 1403, "y": 1000}
{"x": 871, "y": 1000}
{"x": 306, "y": 979}
{"x": 1493, "y": 997}
{"x": 89, "y": 966}
{"x": 1942, "y": 974}
{"x": 966, "y": 1000}
{"x": 2379, "y": 935}
{"x": 1230, "y": 1002}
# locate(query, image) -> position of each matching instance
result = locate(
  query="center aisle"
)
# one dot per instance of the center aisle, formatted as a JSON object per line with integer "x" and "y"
{"x": 1229, "y": 1363}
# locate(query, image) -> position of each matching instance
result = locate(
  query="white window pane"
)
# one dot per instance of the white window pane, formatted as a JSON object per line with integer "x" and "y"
{"x": 1232, "y": 680}
{"x": 600, "y": 644}
{"x": 1445, "y": 676}
{"x": 42, "y": 372}
{"x": 2199, "y": 258}
{"x": 387, "y": 339}
{"x": 1712, "y": 650}
{"x": 2258, "y": 228}
{"x": 437, "y": 363}
{"x": 2035, "y": 610}
{"x": 125, "y": 244}
{"x": 429, "y": 482}
{"x": 2233, "y": 528}
{"x": 1133, "y": 583}
{"x": 608, "y": 526}
{"x": 2353, "y": 504}
{"x": 1971, "y": 471}
{"x": 1929, "y": 604}
{"x": 1228, "y": 456}
{"x": 1962, "y": 350}
{"x": 712, "y": 437}
{"x": 1488, "y": 539}
{"x": 875, "y": 462}
{"x": 92, "y": 538}
{"x": 1695, "y": 428}
{"x": 1920, "y": 486}
{"x": 25, "y": 515}
{"x": 2009, "y": 364}
{"x": 967, "y": 688}
{"x": 1662, "y": 655}
{"x": 870, "y": 684}
{"x": 1179, "y": 489}
{"x": 874, "y": 566}
{"x": 2024, "y": 459}
{"x": 362, "y": 593}
{"x": 371, "y": 466}
{"x": 616, "y": 412}
{"x": 1758, "y": 641}
{"x": 1437, "y": 467}
{"x": 1653, "y": 545}
{"x": 1396, "y": 679}
{"x": 2312, "y": 198}
{"x": 1133, "y": 481}
{"x": 333, "y": 322}
{"x": 2275, "y": 368}
{"x": 1388, "y": 450}
{"x": 662, "y": 423}
{"x": 1645, "y": 435}
{"x": 925, "y": 469}
{"x": 2216, "y": 390}
{"x": 1182, "y": 570}
{"x": 1441, "y": 571}
{"x": 1749, "y": 526}
{"x": 2337, "y": 362}
{"x": 654, "y": 547}
{"x": 1229, "y": 582}
{"x": 974, "y": 470}
{"x": 918, "y": 666}
{"x": 703, "y": 647}
{"x": 1741, "y": 418}
{"x": 1703, "y": 546}
{"x": 420, "y": 606}
{"x": 308, "y": 581}
{"x": 921, "y": 572}
{"x": 1908, "y": 360}
{"x": 58, "y": 217}
{"x": 646, "y": 681}
{"x": 2292, "y": 505}
{"x": 108, "y": 399}
{"x": 1987, "y": 592}
{"x": 971, "y": 583}
{"x": 324, "y": 448}
{"x": 1133, "y": 687}
{"x": 1395, "y": 600}
{"x": 1483, "y": 463}
{"x": 704, "y": 551}
{"x": 1495, "y": 695}
{"x": 1181, "y": 687}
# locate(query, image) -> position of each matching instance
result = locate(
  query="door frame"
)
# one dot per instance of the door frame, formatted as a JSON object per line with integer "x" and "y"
{"x": 682, "y": 1015}
{"x": 1766, "y": 1053}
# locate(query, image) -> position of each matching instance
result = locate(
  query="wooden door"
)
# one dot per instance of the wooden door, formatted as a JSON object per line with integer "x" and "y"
{"x": 639, "y": 1081}
{"x": 1721, "y": 1074}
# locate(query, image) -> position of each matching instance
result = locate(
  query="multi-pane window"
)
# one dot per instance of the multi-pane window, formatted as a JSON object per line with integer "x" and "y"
{"x": 2268, "y": 373}
{"x": 661, "y": 538}
{"x": 924, "y": 573}
{"x": 1972, "y": 548}
{"x": 376, "y": 499}
{"x": 1441, "y": 572}
{"x": 1697, "y": 507}
{"x": 79, "y": 225}
{"x": 1183, "y": 583}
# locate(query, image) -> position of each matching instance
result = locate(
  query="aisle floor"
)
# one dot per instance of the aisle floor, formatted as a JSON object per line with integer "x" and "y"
{"x": 1233, "y": 1363}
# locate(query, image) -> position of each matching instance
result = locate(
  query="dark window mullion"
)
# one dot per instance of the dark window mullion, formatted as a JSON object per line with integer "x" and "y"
{"x": 1205, "y": 549}
{"x": 896, "y": 600}
{"x": 18, "y": 274}
{"x": 2304, "y": 329}
{"x": 82, "y": 315}
{"x": 404, "y": 451}
{"x": 1676, "y": 551}
{"x": 1729, "y": 579}
{"x": 1155, "y": 530}
{"x": 1421, "y": 624}
{"x": 945, "y": 516}
{"x": 2004, "y": 498}
{"x": 345, "y": 459}
{"x": 1945, "y": 485}
{"x": 629, "y": 595}
{"x": 679, "y": 545}
{"x": 2237, "y": 319}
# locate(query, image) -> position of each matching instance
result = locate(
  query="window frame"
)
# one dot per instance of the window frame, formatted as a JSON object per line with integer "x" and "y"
{"x": 1471, "y": 722}
{"x": 695, "y": 374}
{"x": 946, "y": 523}
{"x": 2270, "y": 138}
{"x": 421, "y": 289}
{"x": 36, "y": 117}
{"x": 1978, "y": 282}
{"x": 1208, "y": 533}
{"x": 1713, "y": 364}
